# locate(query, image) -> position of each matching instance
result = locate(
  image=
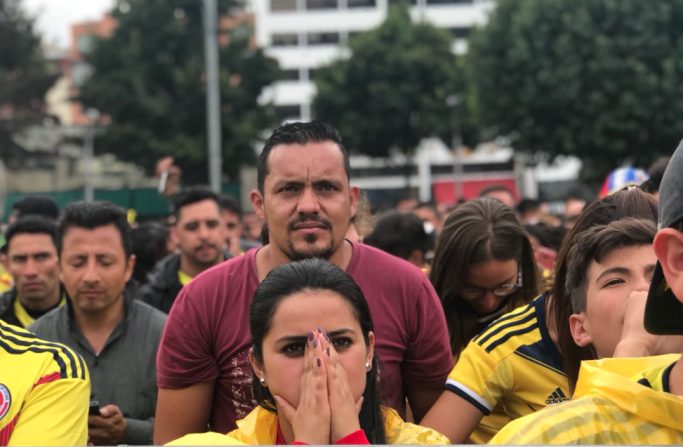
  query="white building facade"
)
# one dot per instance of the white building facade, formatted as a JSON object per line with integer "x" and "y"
{"x": 306, "y": 34}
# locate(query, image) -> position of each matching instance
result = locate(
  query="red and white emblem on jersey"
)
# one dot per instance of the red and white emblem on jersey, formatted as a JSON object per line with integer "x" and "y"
{"x": 5, "y": 400}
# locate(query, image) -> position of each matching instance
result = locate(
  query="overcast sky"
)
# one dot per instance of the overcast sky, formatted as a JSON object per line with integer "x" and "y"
{"x": 55, "y": 17}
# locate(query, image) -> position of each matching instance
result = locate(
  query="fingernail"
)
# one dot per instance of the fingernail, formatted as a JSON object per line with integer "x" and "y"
{"x": 328, "y": 351}
{"x": 318, "y": 361}
{"x": 310, "y": 336}
{"x": 315, "y": 342}
{"x": 320, "y": 330}
{"x": 327, "y": 338}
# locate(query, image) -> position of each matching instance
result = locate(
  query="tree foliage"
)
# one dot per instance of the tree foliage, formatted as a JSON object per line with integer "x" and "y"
{"x": 599, "y": 79}
{"x": 393, "y": 90}
{"x": 24, "y": 76}
{"x": 149, "y": 78}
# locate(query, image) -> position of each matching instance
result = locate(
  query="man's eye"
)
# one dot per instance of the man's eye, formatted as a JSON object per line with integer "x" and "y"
{"x": 288, "y": 189}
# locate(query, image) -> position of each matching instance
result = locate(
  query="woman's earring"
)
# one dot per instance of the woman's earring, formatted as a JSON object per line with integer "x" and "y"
{"x": 367, "y": 365}
{"x": 263, "y": 380}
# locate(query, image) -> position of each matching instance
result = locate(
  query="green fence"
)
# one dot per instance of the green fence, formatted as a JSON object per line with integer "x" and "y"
{"x": 146, "y": 202}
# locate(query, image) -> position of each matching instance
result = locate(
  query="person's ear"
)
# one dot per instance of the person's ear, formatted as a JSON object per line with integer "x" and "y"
{"x": 257, "y": 367}
{"x": 130, "y": 265}
{"x": 668, "y": 246}
{"x": 354, "y": 193}
{"x": 371, "y": 348}
{"x": 173, "y": 234}
{"x": 257, "y": 202}
{"x": 580, "y": 329}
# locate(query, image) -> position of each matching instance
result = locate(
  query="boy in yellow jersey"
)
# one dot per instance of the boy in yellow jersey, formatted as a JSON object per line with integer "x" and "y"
{"x": 44, "y": 391}
{"x": 608, "y": 407}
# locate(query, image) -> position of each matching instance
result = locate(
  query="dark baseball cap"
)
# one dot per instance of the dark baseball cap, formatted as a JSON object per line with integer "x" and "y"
{"x": 663, "y": 311}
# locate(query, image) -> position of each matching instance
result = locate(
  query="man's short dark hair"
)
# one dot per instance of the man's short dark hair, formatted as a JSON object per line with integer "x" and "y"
{"x": 228, "y": 203}
{"x": 190, "y": 196}
{"x": 494, "y": 188}
{"x": 596, "y": 243}
{"x": 32, "y": 224}
{"x": 91, "y": 215}
{"x": 36, "y": 205}
{"x": 399, "y": 234}
{"x": 527, "y": 205}
{"x": 299, "y": 133}
{"x": 656, "y": 173}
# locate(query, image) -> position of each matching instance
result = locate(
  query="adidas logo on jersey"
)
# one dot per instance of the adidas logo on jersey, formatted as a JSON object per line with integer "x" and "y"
{"x": 557, "y": 397}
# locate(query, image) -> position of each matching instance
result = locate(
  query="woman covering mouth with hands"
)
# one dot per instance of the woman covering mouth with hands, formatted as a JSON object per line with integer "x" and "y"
{"x": 315, "y": 373}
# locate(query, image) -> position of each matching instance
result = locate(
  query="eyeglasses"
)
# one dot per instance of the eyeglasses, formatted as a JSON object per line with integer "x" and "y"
{"x": 501, "y": 290}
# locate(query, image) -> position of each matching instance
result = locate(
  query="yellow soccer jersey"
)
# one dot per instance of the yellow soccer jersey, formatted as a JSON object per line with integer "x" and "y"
{"x": 656, "y": 378}
{"x": 608, "y": 408}
{"x": 510, "y": 370}
{"x": 44, "y": 391}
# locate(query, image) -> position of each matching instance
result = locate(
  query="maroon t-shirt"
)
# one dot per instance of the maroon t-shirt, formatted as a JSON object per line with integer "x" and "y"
{"x": 207, "y": 334}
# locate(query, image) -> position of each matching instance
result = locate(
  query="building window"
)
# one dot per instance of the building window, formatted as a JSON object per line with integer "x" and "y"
{"x": 462, "y": 32}
{"x": 285, "y": 40}
{"x": 289, "y": 75}
{"x": 449, "y": 2}
{"x": 284, "y": 113}
{"x": 321, "y": 4}
{"x": 361, "y": 3}
{"x": 323, "y": 38}
{"x": 412, "y": 2}
{"x": 283, "y": 5}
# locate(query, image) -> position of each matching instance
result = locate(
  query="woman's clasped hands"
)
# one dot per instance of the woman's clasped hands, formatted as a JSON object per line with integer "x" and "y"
{"x": 327, "y": 410}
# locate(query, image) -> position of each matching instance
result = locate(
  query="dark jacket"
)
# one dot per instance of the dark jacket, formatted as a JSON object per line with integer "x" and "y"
{"x": 163, "y": 285}
{"x": 124, "y": 373}
{"x": 7, "y": 307}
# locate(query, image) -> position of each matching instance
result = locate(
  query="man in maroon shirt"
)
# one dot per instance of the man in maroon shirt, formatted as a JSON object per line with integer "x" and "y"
{"x": 305, "y": 198}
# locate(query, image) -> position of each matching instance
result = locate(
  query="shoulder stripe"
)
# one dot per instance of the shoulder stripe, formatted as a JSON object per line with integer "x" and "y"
{"x": 495, "y": 324}
{"x": 39, "y": 345}
{"x": 533, "y": 360}
{"x": 504, "y": 329}
{"x": 509, "y": 335}
{"x": 469, "y": 395}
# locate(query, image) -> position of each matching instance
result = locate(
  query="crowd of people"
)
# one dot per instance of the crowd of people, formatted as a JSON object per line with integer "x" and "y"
{"x": 312, "y": 321}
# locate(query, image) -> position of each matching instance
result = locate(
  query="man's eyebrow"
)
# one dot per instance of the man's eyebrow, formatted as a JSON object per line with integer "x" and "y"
{"x": 610, "y": 271}
{"x": 650, "y": 268}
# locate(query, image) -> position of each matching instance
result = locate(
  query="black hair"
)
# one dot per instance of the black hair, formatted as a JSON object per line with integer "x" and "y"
{"x": 91, "y": 215}
{"x": 228, "y": 203}
{"x": 494, "y": 188}
{"x": 526, "y": 205}
{"x": 32, "y": 224}
{"x": 311, "y": 275}
{"x": 656, "y": 173}
{"x": 399, "y": 234}
{"x": 191, "y": 196}
{"x": 549, "y": 237}
{"x": 299, "y": 133}
{"x": 149, "y": 247}
{"x": 36, "y": 205}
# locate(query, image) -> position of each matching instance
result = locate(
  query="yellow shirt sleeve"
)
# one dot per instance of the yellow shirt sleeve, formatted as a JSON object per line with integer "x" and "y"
{"x": 54, "y": 413}
{"x": 479, "y": 378}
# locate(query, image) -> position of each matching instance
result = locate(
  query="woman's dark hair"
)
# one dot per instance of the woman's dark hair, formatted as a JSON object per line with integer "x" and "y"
{"x": 627, "y": 203}
{"x": 312, "y": 275}
{"x": 478, "y": 231}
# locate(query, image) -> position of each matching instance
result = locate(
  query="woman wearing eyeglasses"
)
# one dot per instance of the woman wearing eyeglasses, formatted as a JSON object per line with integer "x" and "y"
{"x": 484, "y": 268}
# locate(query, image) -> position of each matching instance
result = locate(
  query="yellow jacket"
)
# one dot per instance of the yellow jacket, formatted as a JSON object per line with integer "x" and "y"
{"x": 608, "y": 408}
{"x": 260, "y": 428}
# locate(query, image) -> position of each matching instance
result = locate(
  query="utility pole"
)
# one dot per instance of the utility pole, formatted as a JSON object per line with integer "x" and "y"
{"x": 213, "y": 93}
{"x": 88, "y": 155}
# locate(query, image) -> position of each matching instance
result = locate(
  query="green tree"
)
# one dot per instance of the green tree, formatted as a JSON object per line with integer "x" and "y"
{"x": 149, "y": 78}
{"x": 24, "y": 76}
{"x": 601, "y": 79}
{"x": 393, "y": 90}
